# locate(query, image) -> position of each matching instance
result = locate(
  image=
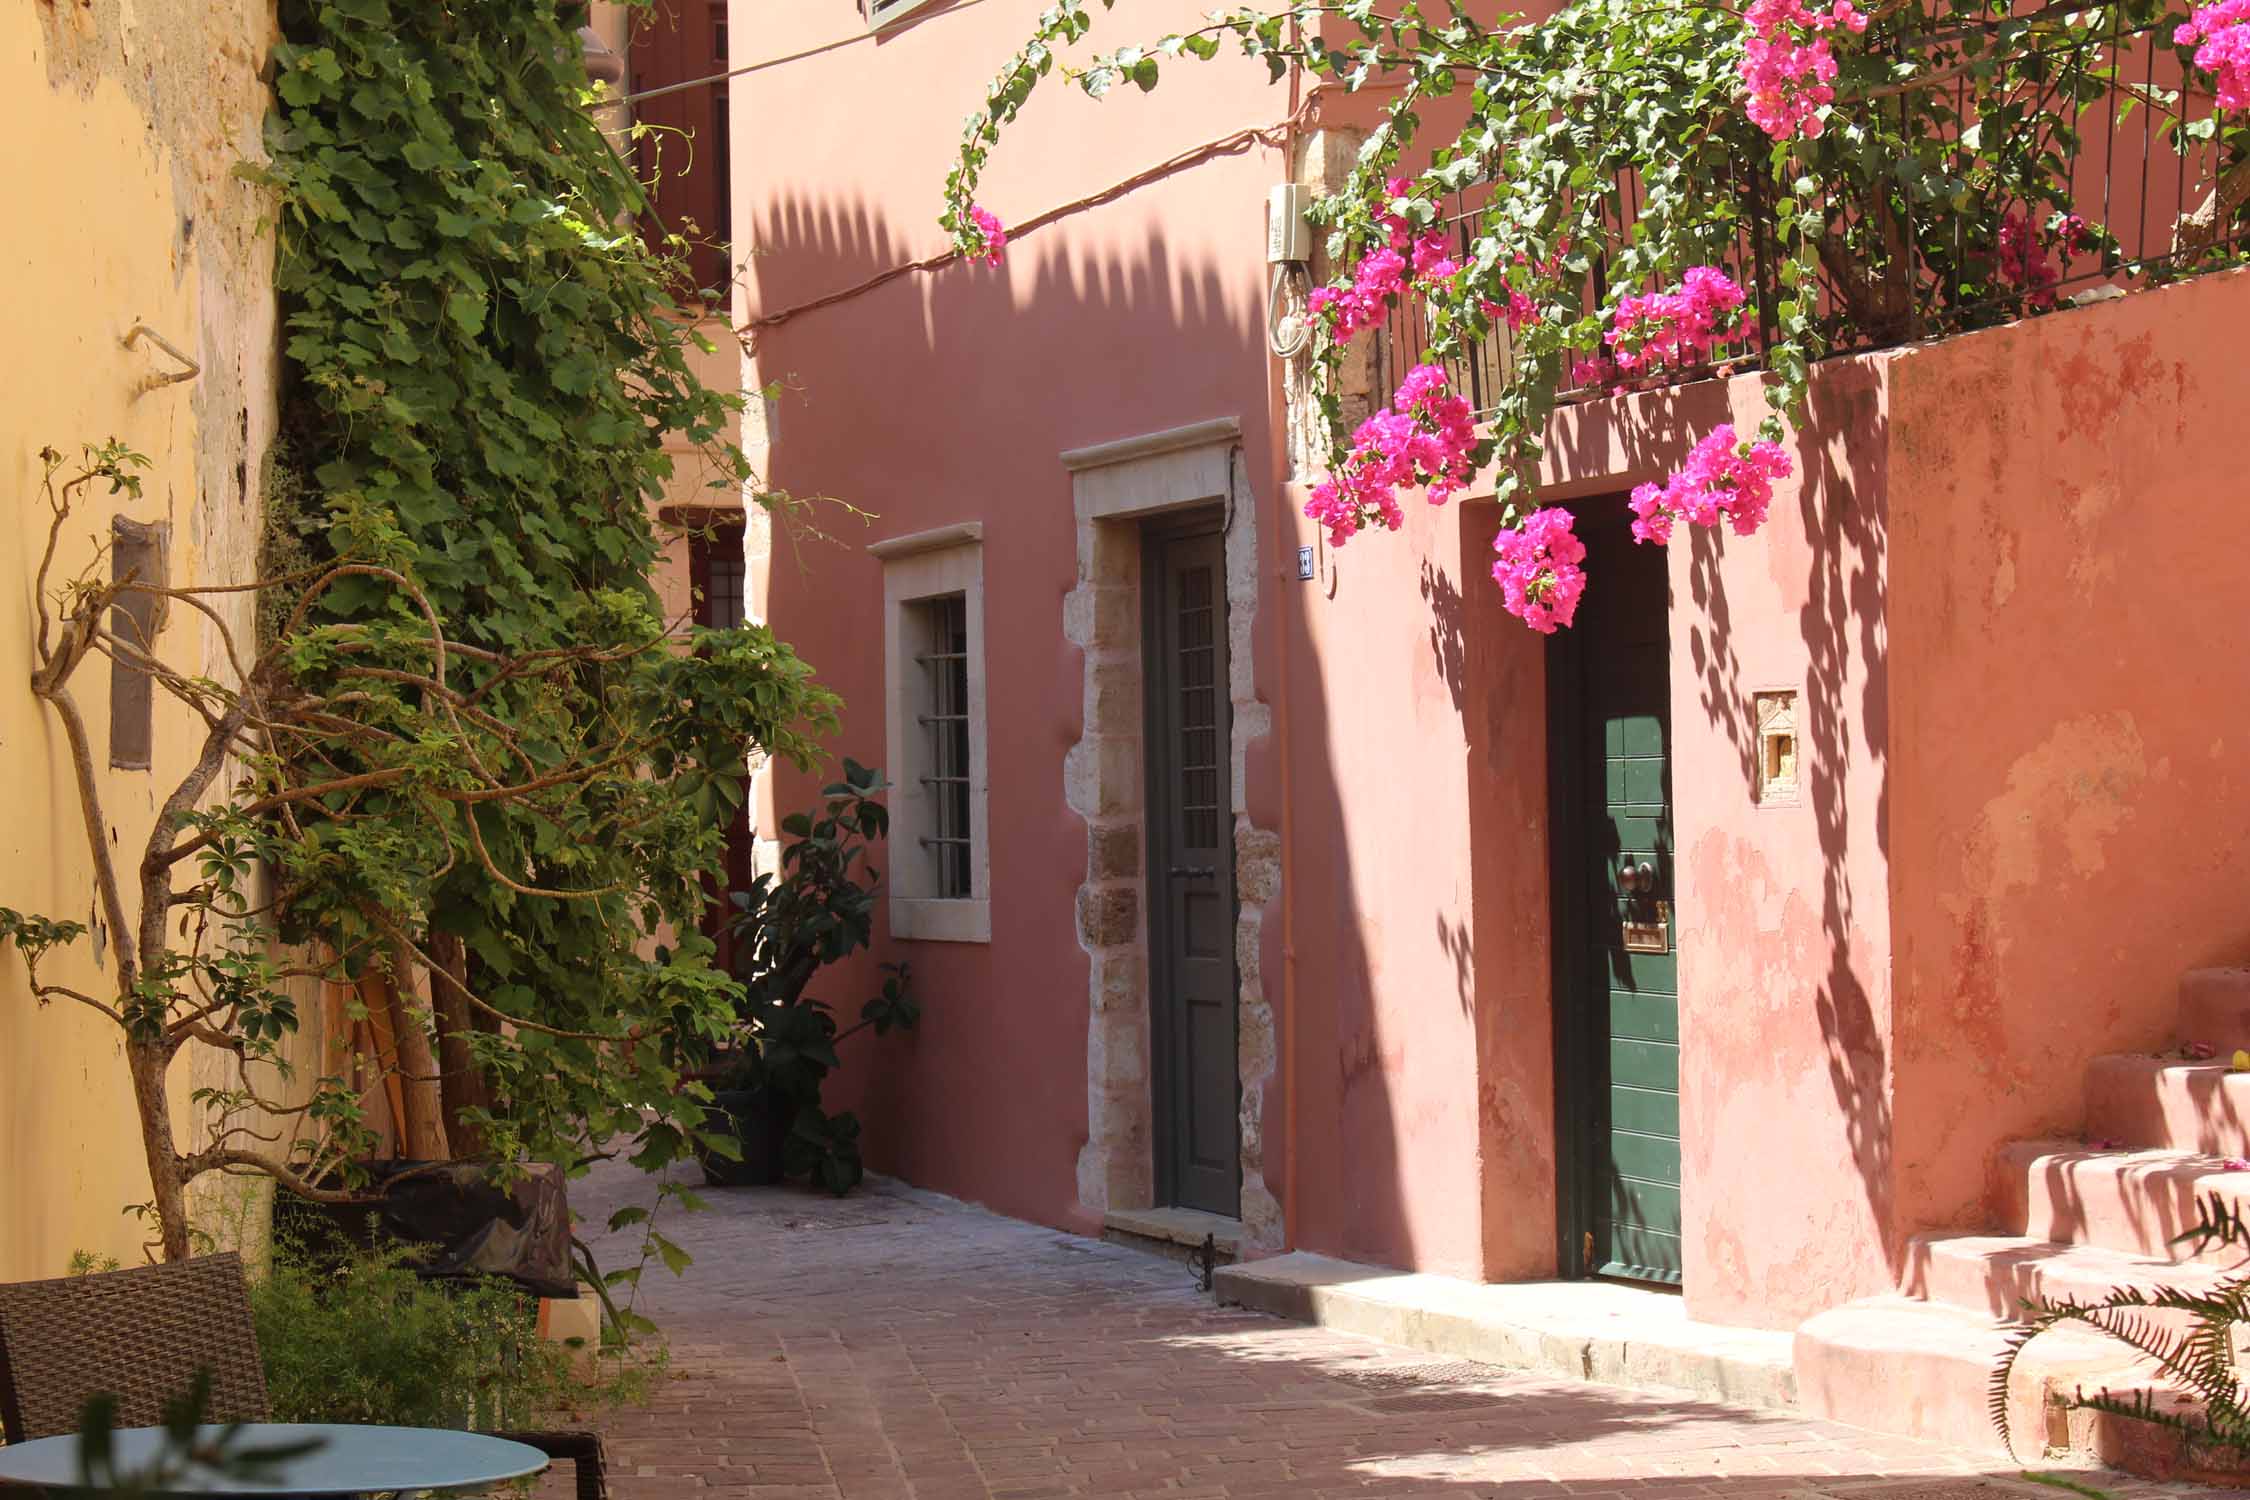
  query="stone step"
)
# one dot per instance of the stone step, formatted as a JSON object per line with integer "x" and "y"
{"x": 2134, "y": 1202}
{"x": 1994, "y": 1275}
{"x": 1602, "y": 1331}
{"x": 1924, "y": 1370}
{"x": 2215, "y": 1008}
{"x": 2147, "y": 1102}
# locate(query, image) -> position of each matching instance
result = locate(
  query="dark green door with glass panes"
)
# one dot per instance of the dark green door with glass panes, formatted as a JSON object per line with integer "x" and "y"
{"x": 1190, "y": 828}
{"x": 1617, "y": 987}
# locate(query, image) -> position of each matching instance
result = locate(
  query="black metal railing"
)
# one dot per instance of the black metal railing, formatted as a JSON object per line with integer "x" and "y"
{"x": 2142, "y": 150}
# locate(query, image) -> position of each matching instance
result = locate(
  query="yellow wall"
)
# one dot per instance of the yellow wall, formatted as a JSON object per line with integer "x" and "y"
{"x": 123, "y": 121}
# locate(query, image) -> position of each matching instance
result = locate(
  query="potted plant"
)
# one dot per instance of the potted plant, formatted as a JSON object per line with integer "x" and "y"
{"x": 818, "y": 909}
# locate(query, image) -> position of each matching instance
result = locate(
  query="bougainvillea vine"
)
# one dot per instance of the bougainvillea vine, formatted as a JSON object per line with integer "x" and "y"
{"x": 1630, "y": 187}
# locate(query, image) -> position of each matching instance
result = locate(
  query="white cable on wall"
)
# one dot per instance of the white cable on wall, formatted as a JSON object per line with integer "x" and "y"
{"x": 1289, "y": 330}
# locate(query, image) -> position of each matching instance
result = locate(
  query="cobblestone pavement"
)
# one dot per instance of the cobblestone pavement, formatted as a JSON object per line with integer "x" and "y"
{"x": 897, "y": 1345}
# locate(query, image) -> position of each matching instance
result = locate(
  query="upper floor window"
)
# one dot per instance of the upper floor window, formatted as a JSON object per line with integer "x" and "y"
{"x": 685, "y": 153}
{"x": 719, "y": 574}
{"x": 883, "y": 12}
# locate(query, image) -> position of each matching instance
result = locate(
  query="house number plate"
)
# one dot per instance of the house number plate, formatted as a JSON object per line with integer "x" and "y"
{"x": 1650, "y": 937}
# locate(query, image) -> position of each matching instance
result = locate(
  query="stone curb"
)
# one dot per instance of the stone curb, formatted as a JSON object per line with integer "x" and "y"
{"x": 1606, "y": 1333}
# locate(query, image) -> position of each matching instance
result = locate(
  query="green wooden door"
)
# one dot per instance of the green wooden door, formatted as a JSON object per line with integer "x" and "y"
{"x": 1620, "y": 989}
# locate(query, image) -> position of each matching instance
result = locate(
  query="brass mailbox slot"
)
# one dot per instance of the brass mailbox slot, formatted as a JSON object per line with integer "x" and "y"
{"x": 1777, "y": 747}
{"x": 1654, "y": 936}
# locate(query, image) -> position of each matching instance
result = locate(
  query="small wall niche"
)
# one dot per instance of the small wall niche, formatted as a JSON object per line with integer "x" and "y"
{"x": 1778, "y": 759}
{"x": 137, "y": 552}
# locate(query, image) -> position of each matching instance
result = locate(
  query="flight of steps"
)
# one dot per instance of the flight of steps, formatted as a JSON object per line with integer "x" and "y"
{"x": 2078, "y": 1220}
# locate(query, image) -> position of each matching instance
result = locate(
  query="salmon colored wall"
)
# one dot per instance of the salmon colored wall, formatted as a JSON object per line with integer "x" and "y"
{"x": 948, "y": 397}
{"x": 2071, "y": 716}
{"x": 1510, "y": 954}
{"x": 1994, "y": 585}
{"x": 2006, "y": 745}
{"x": 1781, "y": 910}
{"x": 1388, "y": 994}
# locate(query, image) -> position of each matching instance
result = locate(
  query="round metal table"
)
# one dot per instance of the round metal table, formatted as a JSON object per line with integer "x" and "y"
{"x": 351, "y": 1460}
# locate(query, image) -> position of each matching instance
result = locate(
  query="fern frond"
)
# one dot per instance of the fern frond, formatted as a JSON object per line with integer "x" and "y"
{"x": 2220, "y": 1222}
{"x": 2201, "y": 1358}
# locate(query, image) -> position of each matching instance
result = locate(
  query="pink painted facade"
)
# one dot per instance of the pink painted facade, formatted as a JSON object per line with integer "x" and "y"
{"x": 1999, "y": 589}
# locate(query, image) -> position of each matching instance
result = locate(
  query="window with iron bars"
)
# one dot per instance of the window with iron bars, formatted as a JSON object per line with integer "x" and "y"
{"x": 941, "y": 629}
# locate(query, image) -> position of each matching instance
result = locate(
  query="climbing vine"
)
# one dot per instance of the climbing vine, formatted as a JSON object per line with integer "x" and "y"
{"x": 1639, "y": 192}
{"x": 483, "y": 773}
{"x": 485, "y": 361}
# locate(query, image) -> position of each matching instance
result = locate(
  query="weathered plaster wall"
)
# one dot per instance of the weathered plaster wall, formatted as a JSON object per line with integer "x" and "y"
{"x": 127, "y": 122}
{"x": 1781, "y": 907}
{"x": 1991, "y": 588}
{"x": 1510, "y": 953}
{"x": 1377, "y": 861}
{"x": 2071, "y": 713}
{"x": 2020, "y": 716}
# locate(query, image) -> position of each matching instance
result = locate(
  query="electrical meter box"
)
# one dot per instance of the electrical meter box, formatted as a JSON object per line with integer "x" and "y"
{"x": 1288, "y": 233}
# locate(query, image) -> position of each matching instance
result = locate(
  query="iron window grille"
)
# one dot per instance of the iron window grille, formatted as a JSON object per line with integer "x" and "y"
{"x": 943, "y": 632}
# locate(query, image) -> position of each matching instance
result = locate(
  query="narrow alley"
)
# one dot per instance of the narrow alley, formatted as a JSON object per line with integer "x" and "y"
{"x": 898, "y": 1345}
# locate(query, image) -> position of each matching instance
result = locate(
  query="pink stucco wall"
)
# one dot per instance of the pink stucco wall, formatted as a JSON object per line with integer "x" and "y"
{"x": 948, "y": 397}
{"x": 2071, "y": 713}
{"x": 1400, "y": 989}
{"x": 1993, "y": 585}
{"x": 1782, "y": 910}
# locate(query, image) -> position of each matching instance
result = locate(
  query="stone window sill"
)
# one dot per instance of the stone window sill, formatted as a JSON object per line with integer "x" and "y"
{"x": 933, "y": 921}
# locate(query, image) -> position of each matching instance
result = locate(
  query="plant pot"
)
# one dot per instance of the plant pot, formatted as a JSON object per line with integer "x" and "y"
{"x": 761, "y": 1124}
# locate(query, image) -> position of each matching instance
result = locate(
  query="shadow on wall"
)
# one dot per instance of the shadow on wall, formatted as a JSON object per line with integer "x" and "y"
{"x": 947, "y": 396}
{"x": 1827, "y": 583}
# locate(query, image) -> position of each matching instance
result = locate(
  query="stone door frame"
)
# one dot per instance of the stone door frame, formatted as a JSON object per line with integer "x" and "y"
{"x": 1116, "y": 486}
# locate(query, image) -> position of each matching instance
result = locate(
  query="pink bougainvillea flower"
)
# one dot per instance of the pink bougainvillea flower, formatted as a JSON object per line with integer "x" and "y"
{"x": 2024, "y": 263}
{"x": 1422, "y": 438}
{"x": 988, "y": 237}
{"x": 1788, "y": 64}
{"x": 1539, "y": 569}
{"x": 2236, "y": 1164}
{"x": 1407, "y": 260}
{"x": 1518, "y": 312}
{"x": 1432, "y": 261}
{"x": 2034, "y": 264}
{"x": 1723, "y": 476}
{"x": 2220, "y": 35}
{"x": 1600, "y": 370}
{"x": 2198, "y": 1051}
{"x": 1682, "y": 324}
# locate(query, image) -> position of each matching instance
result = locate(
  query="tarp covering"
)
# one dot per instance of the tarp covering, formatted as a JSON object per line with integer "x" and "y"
{"x": 470, "y": 1227}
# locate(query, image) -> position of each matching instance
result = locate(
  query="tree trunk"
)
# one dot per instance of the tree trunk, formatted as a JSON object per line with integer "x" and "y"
{"x": 148, "y": 1065}
{"x": 417, "y": 1064}
{"x": 461, "y": 1083}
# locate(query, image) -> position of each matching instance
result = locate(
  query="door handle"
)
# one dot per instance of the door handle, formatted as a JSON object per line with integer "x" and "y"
{"x": 1193, "y": 872}
{"x": 1636, "y": 879}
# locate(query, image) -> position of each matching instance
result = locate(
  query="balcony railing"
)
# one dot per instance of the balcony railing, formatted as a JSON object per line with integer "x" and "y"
{"x": 2141, "y": 151}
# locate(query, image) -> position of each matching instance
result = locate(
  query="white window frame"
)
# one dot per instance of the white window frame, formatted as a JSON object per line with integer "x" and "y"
{"x": 882, "y": 13}
{"x": 930, "y": 565}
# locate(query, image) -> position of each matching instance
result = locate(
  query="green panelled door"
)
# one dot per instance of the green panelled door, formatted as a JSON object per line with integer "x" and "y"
{"x": 1630, "y": 1095}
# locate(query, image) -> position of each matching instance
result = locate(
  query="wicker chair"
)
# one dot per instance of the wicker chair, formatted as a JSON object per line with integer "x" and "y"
{"x": 141, "y": 1334}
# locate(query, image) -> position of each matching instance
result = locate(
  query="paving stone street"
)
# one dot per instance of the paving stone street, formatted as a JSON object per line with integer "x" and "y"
{"x": 897, "y": 1345}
